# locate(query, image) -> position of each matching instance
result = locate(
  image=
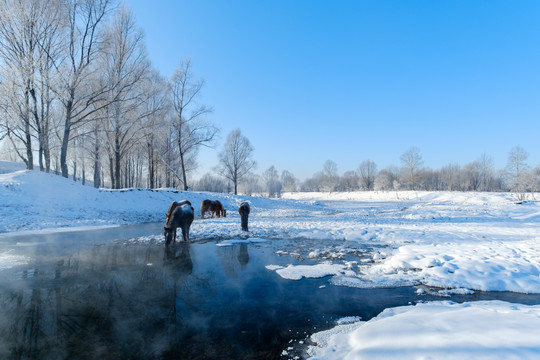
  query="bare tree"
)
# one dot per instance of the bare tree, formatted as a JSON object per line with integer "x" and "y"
{"x": 271, "y": 181}
{"x": 154, "y": 123}
{"x": 290, "y": 183}
{"x": 349, "y": 181}
{"x": 236, "y": 158}
{"x": 367, "y": 171}
{"x": 125, "y": 69}
{"x": 28, "y": 29}
{"x": 384, "y": 180}
{"x": 449, "y": 176}
{"x": 412, "y": 162}
{"x": 486, "y": 170}
{"x": 81, "y": 93}
{"x": 209, "y": 182}
{"x": 517, "y": 169}
{"x": 330, "y": 175}
{"x": 192, "y": 128}
{"x": 251, "y": 184}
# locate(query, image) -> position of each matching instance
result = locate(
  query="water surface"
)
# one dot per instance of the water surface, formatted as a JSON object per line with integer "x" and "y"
{"x": 92, "y": 298}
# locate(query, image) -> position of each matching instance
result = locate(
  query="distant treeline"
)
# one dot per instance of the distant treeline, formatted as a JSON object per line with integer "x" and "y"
{"x": 479, "y": 175}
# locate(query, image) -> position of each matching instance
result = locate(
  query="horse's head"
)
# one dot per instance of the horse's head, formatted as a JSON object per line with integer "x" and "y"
{"x": 169, "y": 235}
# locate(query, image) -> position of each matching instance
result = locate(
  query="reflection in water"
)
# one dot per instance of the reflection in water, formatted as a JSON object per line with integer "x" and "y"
{"x": 106, "y": 303}
{"x": 243, "y": 256}
{"x": 234, "y": 259}
{"x": 138, "y": 301}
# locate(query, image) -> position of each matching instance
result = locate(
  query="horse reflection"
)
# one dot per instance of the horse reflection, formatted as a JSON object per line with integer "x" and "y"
{"x": 243, "y": 256}
{"x": 234, "y": 259}
{"x": 178, "y": 260}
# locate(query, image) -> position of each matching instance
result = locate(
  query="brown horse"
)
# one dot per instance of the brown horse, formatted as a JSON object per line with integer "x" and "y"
{"x": 243, "y": 210}
{"x": 214, "y": 207}
{"x": 180, "y": 217}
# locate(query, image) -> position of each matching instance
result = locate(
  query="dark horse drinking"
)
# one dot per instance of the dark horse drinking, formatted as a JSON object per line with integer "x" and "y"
{"x": 180, "y": 215}
{"x": 173, "y": 206}
{"x": 243, "y": 210}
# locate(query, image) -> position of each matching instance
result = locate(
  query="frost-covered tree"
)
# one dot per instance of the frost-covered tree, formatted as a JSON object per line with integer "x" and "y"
{"x": 518, "y": 170}
{"x": 412, "y": 162}
{"x": 209, "y": 182}
{"x": 271, "y": 181}
{"x": 81, "y": 93}
{"x": 192, "y": 128}
{"x": 486, "y": 172}
{"x": 449, "y": 176}
{"x": 367, "y": 170}
{"x": 236, "y": 158}
{"x": 251, "y": 184}
{"x": 289, "y": 182}
{"x": 330, "y": 177}
{"x": 154, "y": 123}
{"x": 349, "y": 181}
{"x": 28, "y": 36}
{"x": 382, "y": 181}
{"x": 125, "y": 68}
{"x": 387, "y": 179}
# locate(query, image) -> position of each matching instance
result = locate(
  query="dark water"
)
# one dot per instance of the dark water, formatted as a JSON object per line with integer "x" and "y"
{"x": 201, "y": 301}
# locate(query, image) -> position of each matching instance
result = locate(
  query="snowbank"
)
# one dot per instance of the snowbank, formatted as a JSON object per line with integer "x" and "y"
{"x": 33, "y": 200}
{"x": 437, "y": 330}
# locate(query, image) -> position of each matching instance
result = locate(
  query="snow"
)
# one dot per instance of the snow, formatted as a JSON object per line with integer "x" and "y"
{"x": 297, "y": 272}
{"x": 457, "y": 242}
{"x": 437, "y": 330}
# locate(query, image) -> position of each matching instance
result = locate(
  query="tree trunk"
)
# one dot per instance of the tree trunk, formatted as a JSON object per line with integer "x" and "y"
{"x": 117, "y": 162}
{"x": 151, "y": 166}
{"x": 38, "y": 128}
{"x": 184, "y": 180}
{"x": 97, "y": 178}
{"x": 65, "y": 139}
{"x": 28, "y": 135}
{"x": 111, "y": 171}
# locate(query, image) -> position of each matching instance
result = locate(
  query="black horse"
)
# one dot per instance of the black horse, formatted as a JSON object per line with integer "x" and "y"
{"x": 243, "y": 210}
{"x": 173, "y": 206}
{"x": 180, "y": 217}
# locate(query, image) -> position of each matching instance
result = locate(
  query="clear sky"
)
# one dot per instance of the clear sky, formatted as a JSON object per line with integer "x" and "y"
{"x": 310, "y": 81}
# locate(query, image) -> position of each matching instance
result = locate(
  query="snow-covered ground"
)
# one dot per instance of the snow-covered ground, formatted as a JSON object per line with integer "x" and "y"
{"x": 460, "y": 242}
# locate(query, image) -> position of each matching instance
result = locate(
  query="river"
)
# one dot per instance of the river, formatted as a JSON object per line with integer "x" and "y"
{"x": 107, "y": 294}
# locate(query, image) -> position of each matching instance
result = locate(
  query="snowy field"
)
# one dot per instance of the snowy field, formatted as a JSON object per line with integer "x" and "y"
{"x": 443, "y": 242}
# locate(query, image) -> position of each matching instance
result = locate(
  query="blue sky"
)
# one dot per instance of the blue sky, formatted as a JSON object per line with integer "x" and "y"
{"x": 310, "y": 81}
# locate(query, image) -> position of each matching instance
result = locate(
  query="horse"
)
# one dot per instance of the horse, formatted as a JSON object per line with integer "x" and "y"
{"x": 243, "y": 210}
{"x": 214, "y": 207}
{"x": 180, "y": 217}
{"x": 174, "y": 205}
